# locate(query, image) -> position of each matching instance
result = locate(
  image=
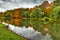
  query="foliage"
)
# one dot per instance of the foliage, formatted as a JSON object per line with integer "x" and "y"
{"x": 38, "y": 18}
{"x": 57, "y": 2}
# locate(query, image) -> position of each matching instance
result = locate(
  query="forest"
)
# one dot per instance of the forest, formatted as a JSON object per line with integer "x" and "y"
{"x": 40, "y": 17}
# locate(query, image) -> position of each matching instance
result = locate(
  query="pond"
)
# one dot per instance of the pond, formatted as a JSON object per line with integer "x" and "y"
{"x": 28, "y": 33}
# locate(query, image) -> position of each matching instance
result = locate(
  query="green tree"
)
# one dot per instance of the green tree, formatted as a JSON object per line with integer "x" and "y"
{"x": 7, "y": 17}
{"x": 57, "y": 2}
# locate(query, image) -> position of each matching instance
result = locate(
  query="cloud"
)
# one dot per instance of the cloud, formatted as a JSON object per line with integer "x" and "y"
{"x": 12, "y": 4}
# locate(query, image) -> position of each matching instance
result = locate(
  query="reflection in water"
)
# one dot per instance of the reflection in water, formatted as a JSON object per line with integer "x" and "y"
{"x": 28, "y": 33}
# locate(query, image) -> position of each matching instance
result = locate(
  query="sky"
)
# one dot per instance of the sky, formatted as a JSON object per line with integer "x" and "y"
{"x": 13, "y": 4}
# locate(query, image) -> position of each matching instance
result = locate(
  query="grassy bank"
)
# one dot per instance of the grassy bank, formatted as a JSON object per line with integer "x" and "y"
{"x": 6, "y": 34}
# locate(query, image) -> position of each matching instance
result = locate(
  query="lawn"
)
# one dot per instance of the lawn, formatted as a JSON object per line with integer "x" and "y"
{"x": 6, "y": 34}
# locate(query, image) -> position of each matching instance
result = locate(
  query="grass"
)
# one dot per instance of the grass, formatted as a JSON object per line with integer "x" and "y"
{"x": 6, "y": 34}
